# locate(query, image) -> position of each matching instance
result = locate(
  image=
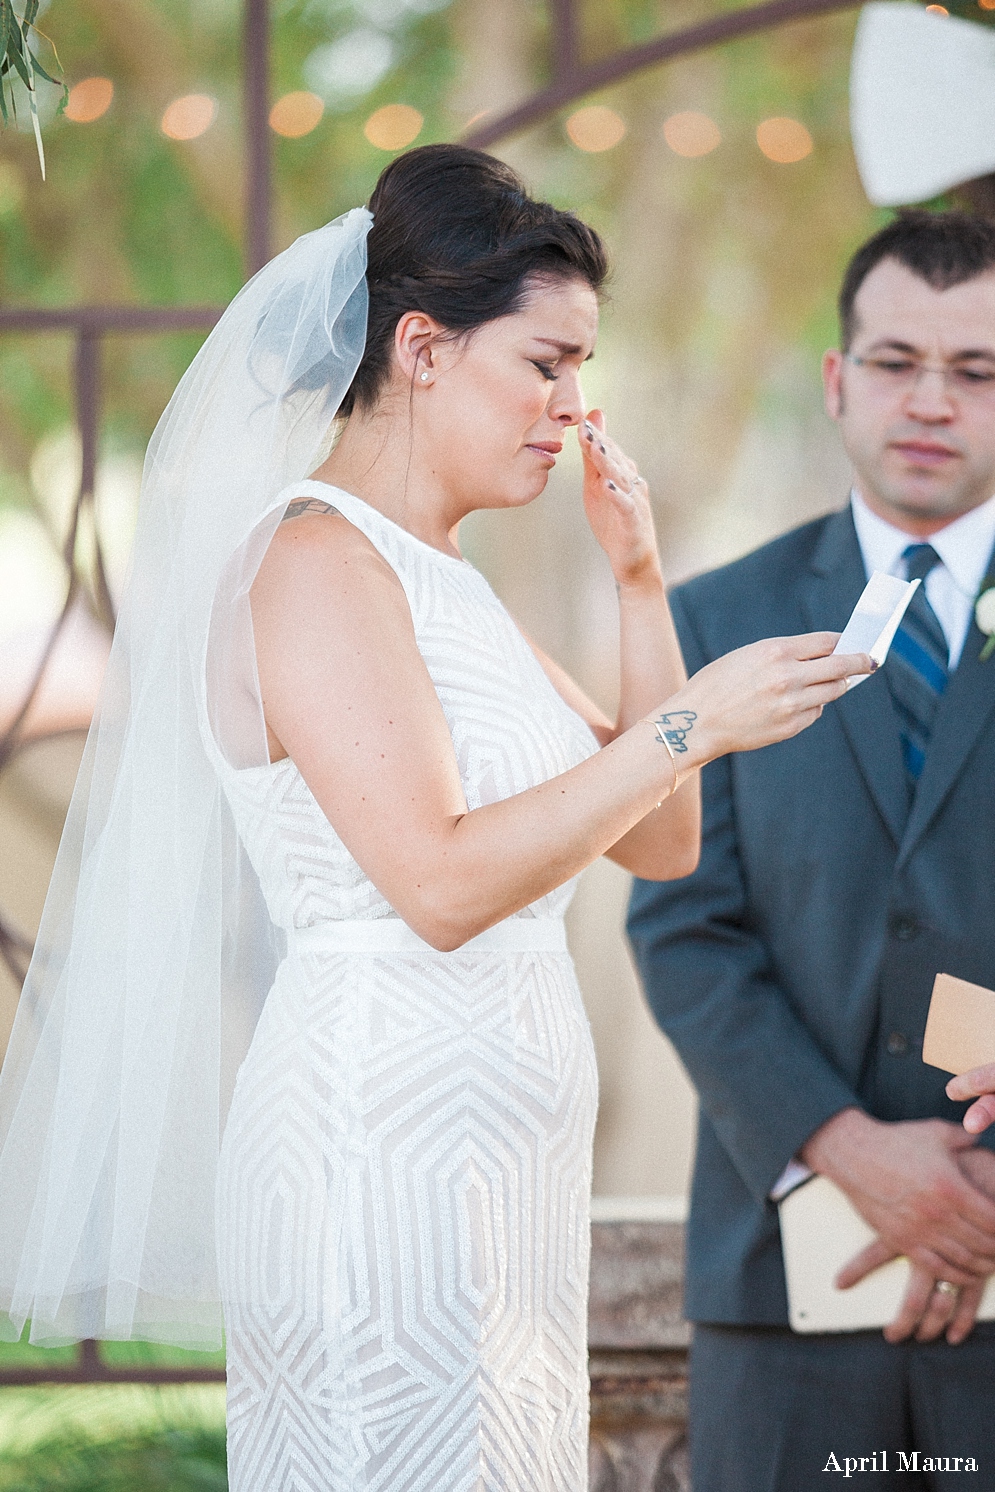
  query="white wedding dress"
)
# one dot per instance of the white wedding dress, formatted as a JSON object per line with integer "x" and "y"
{"x": 405, "y": 1172}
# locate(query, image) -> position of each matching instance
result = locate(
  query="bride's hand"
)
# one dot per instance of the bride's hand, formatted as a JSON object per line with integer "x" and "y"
{"x": 617, "y": 504}
{"x": 757, "y": 695}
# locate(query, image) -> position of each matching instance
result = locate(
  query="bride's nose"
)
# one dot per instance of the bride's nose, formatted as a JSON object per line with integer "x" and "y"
{"x": 567, "y": 406}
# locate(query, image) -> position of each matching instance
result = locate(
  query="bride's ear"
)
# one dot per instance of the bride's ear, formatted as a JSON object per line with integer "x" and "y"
{"x": 414, "y": 336}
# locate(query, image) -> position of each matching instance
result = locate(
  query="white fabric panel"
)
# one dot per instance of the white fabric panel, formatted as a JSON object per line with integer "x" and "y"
{"x": 922, "y": 102}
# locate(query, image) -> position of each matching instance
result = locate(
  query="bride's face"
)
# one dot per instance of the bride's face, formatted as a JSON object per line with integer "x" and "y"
{"x": 492, "y": 417}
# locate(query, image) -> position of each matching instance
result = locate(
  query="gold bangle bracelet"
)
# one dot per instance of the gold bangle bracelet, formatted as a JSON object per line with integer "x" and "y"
{"x": 661, "y": 737}
{"x": 658, "y": 728}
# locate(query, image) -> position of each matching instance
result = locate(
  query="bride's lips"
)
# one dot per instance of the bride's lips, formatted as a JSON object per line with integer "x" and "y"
{"x": 547, "y": 449}
{"x": 925, "y": 452}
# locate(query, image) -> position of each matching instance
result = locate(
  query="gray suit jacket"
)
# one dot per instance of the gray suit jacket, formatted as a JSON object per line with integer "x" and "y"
{"x": 793, "y": 969}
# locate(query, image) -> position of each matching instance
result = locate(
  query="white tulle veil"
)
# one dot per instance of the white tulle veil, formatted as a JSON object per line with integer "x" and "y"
{"x": 155, "y": 951}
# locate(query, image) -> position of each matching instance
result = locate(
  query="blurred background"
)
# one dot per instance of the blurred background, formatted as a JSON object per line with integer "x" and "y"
{"x": 726, "y": 188}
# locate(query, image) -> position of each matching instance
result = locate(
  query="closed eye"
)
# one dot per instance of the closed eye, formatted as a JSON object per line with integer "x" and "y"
{"x": 546, "y": 369}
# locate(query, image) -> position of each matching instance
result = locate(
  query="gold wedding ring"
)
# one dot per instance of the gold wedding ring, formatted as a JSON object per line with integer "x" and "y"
{"x": 944, "y": 1287}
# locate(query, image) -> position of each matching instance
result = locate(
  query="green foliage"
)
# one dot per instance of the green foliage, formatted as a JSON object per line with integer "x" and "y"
{"x": 17, "y": 59}
{"x": 130, "y": 216}
{"x": 158, "y": 1459}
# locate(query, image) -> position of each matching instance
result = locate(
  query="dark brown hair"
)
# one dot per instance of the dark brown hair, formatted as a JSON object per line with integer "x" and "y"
{"x": 456, "y": 236}
{"x": 942, "y": 248}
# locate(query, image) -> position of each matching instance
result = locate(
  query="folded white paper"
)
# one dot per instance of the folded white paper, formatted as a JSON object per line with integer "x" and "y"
{"x": 820, "y": 1232}
{"x": 875, "y": 619}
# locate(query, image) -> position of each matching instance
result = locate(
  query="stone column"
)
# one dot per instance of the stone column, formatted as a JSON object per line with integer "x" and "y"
{"x": 638, "y": 1358}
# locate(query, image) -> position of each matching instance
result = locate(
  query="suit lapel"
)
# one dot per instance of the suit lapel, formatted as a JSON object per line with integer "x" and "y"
{"x": 829, "y": 594}
{"x": 963, "y": 710}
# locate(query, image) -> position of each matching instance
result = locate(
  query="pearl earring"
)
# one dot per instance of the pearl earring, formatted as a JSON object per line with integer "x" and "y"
{"x": 424, "y": 378}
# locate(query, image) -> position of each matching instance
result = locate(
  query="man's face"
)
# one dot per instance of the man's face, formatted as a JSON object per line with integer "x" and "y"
{"x": 917, "y": 411}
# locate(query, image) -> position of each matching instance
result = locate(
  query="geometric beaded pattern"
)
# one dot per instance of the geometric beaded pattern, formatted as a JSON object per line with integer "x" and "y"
{"x": 403, "y": 1197}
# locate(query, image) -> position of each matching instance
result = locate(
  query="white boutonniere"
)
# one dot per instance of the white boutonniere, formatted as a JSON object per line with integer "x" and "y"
{"x": 984, "y": 615}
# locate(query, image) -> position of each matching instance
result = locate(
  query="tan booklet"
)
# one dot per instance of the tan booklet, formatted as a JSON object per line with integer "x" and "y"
{"x": 820, "y": 1232}
{"x": 960, "y": 1027}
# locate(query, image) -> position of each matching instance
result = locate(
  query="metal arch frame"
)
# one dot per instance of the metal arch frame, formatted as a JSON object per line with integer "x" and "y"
{"x": 570, "y": 79}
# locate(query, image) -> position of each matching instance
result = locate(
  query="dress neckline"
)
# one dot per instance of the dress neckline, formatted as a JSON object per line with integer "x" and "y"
{"x": 451, "y": 559}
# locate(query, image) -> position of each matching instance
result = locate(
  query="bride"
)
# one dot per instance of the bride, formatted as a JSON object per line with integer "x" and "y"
{"x": 333, "y": 779}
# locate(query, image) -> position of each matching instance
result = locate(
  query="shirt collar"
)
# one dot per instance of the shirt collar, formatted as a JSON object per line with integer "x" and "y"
{"x": 964, "y": 546}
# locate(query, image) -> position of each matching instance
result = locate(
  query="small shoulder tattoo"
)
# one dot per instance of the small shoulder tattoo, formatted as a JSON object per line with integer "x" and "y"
{"x": 302, "y": 505}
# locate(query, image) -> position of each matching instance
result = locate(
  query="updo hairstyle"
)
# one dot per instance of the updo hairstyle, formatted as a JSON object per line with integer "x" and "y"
{"x": 456, "y": 236}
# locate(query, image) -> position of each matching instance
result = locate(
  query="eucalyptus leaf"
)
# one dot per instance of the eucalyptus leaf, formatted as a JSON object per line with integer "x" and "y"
{"x": 16, "y": 54}
{"x": 41, "y": 73}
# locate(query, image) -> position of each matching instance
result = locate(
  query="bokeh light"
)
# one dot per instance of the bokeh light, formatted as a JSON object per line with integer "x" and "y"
{"x": 393, "y": 127}
{"x": 784, "y": 140}
{"x": 987, "y": 4}
{"x": 89, "y": 99}
{"x": 189, "y": 116}
{"x": 595, "y": 128}
{"x": 343, "y": 70}
{"x": 691, "y": 134}
{"x": 937, "y": 10}
{"x": 296, "y": 114}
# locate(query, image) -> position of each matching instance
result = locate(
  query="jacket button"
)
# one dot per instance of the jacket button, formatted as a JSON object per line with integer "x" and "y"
{"x": 904, "y": 928}
{"x": 897, "y": 1044}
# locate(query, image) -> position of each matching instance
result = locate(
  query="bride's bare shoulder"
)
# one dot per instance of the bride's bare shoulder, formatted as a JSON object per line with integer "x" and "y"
{"x": 316, "y": 551}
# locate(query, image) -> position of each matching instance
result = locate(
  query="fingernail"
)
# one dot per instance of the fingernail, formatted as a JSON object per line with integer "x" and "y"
{"x": 875, "y": 665}
{"x": 601, "y": 448}
{"x": 590, "y": 434}
{"x": 611, "y": 484}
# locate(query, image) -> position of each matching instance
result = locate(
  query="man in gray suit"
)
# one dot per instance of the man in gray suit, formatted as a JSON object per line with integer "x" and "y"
{"x": 839, "y": 872}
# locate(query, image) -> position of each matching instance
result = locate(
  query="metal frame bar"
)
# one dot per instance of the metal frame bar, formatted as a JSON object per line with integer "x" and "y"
{"x": 571, "y": 80}
{"x": 258, "y": 155}
{"x": 90, "y": 1367}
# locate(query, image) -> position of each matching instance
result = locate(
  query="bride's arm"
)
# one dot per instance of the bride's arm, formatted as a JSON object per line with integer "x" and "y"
{"x": 665, "y": 843}
{"x": 347, "y": 695}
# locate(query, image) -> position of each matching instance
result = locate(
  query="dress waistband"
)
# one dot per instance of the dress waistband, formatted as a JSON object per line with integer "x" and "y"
{"x": 390, "y": 935}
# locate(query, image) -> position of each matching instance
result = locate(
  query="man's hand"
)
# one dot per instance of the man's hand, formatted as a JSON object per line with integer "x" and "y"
{"x": 927, "y": 1311}
{"x": 905, "y": 1180}
{"x": 979, "y": 1083}
{"x": 931, "y": 1306}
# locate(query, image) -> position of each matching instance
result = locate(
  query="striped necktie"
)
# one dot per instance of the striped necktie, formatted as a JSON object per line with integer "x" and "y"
{"x": 917, "y": 665}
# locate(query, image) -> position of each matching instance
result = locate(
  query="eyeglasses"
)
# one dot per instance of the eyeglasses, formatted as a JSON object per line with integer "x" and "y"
{"x": 900, "y": 375}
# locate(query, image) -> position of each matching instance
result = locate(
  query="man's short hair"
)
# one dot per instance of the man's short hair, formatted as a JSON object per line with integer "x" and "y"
{"x": 942, "y": 248}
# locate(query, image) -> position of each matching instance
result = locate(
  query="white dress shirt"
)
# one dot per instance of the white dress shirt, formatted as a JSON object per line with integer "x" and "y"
{"x": 952, "y": 586}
